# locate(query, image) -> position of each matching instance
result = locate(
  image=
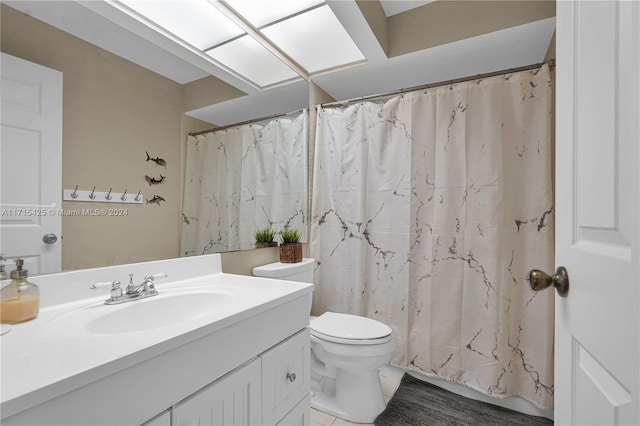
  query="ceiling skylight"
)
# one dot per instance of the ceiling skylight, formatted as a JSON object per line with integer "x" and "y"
{"x": 265, "y": 43}
{"x": 247, "y": 57}
{"x": 315, "y": 39}
{"x": 261, "y": 12}
{"x": 196, "y": 22}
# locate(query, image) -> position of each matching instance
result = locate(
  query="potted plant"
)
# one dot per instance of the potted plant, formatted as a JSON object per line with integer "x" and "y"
{"x": 264, "y": 238}
{"x": 291, "y": 247}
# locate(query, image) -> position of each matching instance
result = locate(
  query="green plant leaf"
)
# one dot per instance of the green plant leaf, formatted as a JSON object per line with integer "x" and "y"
{"x": 265, "y": 235}
{"x": 290, "y": 235}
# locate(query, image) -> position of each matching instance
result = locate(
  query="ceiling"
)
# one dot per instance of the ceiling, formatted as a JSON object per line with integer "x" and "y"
{"x": 393, "y": 7}
{"x": 107, "y": 26}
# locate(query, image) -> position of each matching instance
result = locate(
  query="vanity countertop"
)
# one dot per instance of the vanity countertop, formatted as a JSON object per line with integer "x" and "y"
{"x": 57, "y": 352}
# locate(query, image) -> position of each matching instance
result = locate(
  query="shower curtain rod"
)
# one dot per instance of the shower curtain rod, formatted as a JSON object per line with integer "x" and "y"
{"x": 242, "y": 123}
{"x": 551, "y": 63}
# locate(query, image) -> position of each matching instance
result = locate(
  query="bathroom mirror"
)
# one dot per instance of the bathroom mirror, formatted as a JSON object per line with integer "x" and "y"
{"x": 115, "y": 111}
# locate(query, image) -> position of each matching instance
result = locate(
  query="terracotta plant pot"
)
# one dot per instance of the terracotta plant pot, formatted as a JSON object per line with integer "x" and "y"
{"x": 291, "y": 252}
{"x": 263, "y": 245}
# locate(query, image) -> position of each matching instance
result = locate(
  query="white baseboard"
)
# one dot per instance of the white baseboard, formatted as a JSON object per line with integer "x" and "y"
{"x": 512, "y": 403}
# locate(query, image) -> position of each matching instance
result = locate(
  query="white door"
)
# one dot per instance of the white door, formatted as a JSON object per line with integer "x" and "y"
{"x": 31, "y": 164}
{"x": 597, "y": 364}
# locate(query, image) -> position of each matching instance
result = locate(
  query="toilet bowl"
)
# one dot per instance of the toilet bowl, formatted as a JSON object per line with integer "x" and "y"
{"x": 347, "y": 352}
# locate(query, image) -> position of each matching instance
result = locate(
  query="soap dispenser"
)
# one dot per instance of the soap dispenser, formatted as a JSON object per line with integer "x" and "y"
{"x": 3, "y": 274}
{"x": 19, "y": 301}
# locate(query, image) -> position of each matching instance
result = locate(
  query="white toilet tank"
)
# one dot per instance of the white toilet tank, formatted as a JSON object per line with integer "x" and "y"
{"x": 299, "y": 271}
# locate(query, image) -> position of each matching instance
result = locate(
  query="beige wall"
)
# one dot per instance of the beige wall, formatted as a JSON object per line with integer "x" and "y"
{"x": 442, "y": 22}
{"x": 243, "y": 262}
{"x": 208, "y": 91}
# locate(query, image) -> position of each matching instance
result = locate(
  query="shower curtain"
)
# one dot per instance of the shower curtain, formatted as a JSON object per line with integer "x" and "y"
{"x": 241, "y": 179}
{"x": 428, "y": 211}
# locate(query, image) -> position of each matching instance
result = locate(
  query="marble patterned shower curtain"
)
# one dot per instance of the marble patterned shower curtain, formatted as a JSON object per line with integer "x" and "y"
{"x": 428, "y": 211}
{"x": 242, "y": 179}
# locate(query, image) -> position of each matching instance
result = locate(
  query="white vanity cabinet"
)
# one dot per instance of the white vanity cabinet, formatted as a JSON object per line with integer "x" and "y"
{"x": 272, "y": 389}
{"x": 285, "y": 376}
{"x": 244, "y": 362}
{"x": 300, "y": 415}
{"x": 232, "y": 400}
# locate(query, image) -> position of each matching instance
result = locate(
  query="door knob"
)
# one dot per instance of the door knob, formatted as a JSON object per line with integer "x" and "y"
{"x": 49, "y": 238}
{"x": 540, "y": 280}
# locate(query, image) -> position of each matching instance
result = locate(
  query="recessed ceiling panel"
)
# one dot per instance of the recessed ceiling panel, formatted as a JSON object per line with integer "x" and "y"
{"x": 261, "y": 12}
{"x": 197, "y": 22}
{"x": 315, "y": 39}
{"x": 248, "y": 58}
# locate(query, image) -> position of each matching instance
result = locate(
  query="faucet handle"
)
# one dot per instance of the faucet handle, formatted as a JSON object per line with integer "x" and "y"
{"x": 101, "y": 284}
{"x": 149, "y": 280}
{"x": 116, "y": 291}
{"x": 156, "y": 276}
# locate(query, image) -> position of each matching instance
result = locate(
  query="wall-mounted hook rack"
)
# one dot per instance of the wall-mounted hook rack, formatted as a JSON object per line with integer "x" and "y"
{"x": 101, "y": 197}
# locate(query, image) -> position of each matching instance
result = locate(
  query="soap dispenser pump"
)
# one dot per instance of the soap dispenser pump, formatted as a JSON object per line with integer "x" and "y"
{"x": 20, "y": 300}
{"x": 3, "y": 274}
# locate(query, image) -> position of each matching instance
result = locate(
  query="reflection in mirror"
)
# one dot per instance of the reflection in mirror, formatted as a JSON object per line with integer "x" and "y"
{"x": 241, "y": 179}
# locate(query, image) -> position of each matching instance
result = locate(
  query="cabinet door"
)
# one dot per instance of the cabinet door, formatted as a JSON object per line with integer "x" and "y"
{"x": 232, "y": 400}
{"x": 285, "y": 376}
{"x": 300, "y": 415}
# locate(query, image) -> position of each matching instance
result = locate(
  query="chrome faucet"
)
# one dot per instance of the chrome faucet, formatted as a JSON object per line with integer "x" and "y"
{"x": 146, "y": 286}
{"x": 133, "y": 292}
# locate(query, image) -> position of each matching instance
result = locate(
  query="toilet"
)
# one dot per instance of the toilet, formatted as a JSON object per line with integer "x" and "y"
{"x": 347, "y": 352}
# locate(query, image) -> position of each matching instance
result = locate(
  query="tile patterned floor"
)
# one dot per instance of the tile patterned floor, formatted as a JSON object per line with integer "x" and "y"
{"x": 390, "y": 383}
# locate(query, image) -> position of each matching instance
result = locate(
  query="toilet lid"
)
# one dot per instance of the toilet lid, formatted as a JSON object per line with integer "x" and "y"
{"x": 349, "y": 327}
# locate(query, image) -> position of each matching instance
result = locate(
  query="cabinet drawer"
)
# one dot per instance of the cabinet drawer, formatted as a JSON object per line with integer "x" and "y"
{"x": 285, "y": 376}
{"x": 300, "y": 415}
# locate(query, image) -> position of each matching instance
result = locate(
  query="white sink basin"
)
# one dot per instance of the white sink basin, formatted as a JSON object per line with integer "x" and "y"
{"x": 167, "y": 309}
{"x": 157, "y": 312}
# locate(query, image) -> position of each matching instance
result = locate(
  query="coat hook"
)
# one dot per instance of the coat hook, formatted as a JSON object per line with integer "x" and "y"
{"x": 92, "y": 195}
{"x": 108, "y": 196}
{"x": 123, "y": 197}
{"x": 137, "y": 197}
{"x": 74, "y": 194}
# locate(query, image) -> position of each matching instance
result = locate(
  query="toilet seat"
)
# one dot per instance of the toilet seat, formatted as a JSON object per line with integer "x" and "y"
{"x": 350, "y": 329}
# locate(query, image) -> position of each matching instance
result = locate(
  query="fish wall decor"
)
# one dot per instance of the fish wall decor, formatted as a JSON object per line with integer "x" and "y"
{"x": 159, "y": 161}
{"x": 154, "y": 181}
{"x": 156, "y": 200}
